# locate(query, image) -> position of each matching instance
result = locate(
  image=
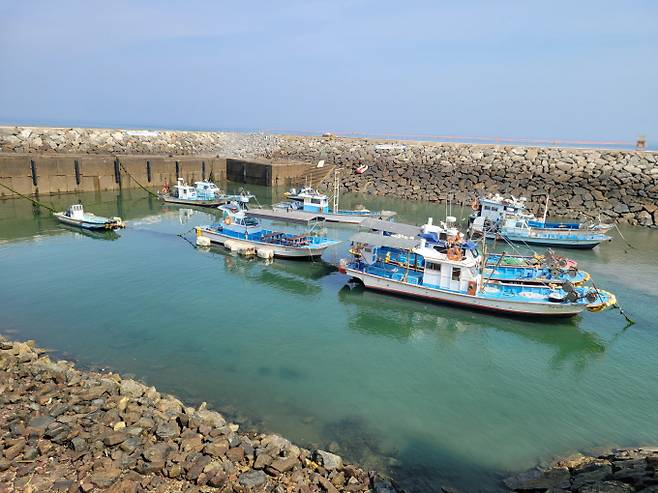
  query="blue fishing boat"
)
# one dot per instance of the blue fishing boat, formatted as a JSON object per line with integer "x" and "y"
{"x": 202, "y": 194}
{"x": 507, "y": 219}
{"x": 237, "y": 229}
{"x": 524, "y": 269}
{"x": 76, "y": 216}
{"x": 453, "y": 273}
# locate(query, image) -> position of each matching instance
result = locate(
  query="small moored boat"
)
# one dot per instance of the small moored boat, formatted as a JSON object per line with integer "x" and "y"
{"x": 76, "y": 216}
{"x": 237, "y": 227}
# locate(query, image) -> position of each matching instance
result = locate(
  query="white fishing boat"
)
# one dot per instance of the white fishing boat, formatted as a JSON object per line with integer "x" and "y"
{"x": 507, "y": 219}
{"x": 453, "y": 273}
{"x": 76, "y": 216}
{"x": 203, "y": 194}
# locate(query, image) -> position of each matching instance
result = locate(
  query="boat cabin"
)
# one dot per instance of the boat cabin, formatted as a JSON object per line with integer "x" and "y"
{"x": 76, "y": 212}
{"x": 494, "y": 208}
{"x": 207, "y": 190}
{"x": 315, "y": 202}
{"x": 184, "y": 191}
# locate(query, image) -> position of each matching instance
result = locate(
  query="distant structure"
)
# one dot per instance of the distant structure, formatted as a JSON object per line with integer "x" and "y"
{"x": 641, "y": 143}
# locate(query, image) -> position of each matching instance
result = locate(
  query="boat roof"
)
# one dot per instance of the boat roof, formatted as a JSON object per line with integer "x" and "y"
{"x": 390, "y": 227}
{"x": 381, "y": 240}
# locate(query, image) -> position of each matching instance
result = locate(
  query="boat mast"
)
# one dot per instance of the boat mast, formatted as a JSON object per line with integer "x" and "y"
{"x": 545, "y": 209}
{"x": 336, "y": 197}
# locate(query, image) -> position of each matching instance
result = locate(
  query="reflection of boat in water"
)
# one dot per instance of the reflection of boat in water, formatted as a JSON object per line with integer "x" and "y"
{"x": 94, "y": 234}
{"x": 374, "y": 313}
{"x": 76, "y": 216}
{"x": 289, "y": 276}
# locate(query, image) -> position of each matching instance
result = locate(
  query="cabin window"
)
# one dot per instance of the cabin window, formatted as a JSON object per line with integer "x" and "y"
{"x": 316, "y": 201}
{"x": 519, "y": 225}
{"x": 432, "y": 266}
{"x": 456, "y": 272}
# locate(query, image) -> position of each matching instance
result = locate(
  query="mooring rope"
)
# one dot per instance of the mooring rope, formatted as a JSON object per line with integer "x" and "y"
{"x": 138, "y": 183}
{"x": 40, "y": 204}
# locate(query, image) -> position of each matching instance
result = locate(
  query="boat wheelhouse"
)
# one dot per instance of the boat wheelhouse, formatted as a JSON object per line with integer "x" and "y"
{"x": 203, "y": 194}
{"x": 76, "y": 216}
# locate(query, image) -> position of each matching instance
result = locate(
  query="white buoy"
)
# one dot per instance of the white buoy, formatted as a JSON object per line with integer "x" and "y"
{"x": 202, "y": 241}
{"x": 266, "y": 253}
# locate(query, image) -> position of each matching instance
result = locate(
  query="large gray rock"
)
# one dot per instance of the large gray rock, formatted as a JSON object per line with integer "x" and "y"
{"x": 328, "y": 460}
{"x": 252, "y": 479}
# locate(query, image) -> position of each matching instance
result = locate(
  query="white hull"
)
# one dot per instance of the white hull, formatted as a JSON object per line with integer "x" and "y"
{"x": 279, "y": 250}
{"x": 79, "y": 222}
{"x": 503, "y": 306}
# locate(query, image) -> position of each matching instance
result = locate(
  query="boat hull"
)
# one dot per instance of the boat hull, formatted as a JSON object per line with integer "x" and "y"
{"x": 583, "y": 244}
{"x": 509, "y": 307}
{"x": 280, "y": 251}
{"x": 80, "y": 223}
{"x": 199, "y": 203}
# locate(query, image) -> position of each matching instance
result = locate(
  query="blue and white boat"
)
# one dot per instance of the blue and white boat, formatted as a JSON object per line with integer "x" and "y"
{"x": 507, "y": 219}
{"x": 524, "y": 269}
{"x": 76, "y": 216}
{"x": 452, "y": 273}
{"x": 238, "y": 229}
{"x": 202, "y": 194}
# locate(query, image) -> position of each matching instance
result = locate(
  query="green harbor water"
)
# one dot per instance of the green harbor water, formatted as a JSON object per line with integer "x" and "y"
{"x": 434, "y": 395}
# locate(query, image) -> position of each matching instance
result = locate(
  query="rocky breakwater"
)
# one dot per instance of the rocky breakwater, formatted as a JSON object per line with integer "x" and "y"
{"x": 122, "y": 141}
{"x": 619, "y": 471}
{"x": 617, "y": 185}
{"x": 62, "y": 429}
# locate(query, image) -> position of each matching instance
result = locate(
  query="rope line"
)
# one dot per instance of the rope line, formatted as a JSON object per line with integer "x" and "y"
{"x": 40, "y": 204}
{"x": 138, "y": 183}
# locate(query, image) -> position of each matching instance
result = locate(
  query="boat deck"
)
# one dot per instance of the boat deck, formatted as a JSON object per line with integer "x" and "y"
{"x": 308, "y": 217}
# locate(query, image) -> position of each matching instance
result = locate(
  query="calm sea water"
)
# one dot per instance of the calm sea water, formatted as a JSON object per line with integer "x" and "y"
{"x": 435, "y": 395}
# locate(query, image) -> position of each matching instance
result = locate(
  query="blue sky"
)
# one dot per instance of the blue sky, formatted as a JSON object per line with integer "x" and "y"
{"x": 543, "y": 70}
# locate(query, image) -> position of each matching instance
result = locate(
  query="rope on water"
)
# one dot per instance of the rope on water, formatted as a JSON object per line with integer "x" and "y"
{"x": 36, "y": 202}
{"x": 138, "y": 183}
{"x": 622, "y": 236}
{"x": 182, "y": 235}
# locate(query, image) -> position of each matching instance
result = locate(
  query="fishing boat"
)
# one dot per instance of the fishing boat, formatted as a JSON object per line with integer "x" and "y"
{"x": 507, "y": 219}
{"x": 309, "y": 204}
{"x": 76, "y": 216}
{"x": 241, "y": 230}
{"x": 298, "y": 195}
{"x": 203, "y": 194}
{"x": 452, "y": 273}
{"x": 361, "y": 169}
{"x": 524, "y": 269}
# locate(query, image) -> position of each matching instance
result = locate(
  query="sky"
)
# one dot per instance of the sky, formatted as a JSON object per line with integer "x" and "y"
{"x": 513, "y": 69}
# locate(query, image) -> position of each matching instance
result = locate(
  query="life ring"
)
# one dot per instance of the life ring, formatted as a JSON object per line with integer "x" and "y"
{"x": 227, "y": 220}
{"x": 454, "y": 253}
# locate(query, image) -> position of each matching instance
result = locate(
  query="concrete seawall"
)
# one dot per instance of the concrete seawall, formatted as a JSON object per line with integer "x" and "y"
{"x": 583, "y": 183}
{"x": 34, "y": 174}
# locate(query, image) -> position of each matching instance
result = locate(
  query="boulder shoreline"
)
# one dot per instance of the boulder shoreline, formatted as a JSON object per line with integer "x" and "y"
{"x": 70, "y": 430}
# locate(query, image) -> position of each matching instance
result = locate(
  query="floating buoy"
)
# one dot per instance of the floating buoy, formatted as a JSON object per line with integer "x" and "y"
{"x": 202, "y": 241}
{"x": 266, "y": 253}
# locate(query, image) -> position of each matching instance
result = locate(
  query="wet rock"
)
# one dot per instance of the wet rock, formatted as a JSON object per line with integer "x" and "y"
{"x": 606, "y": 487}
{"x": 556, "y": 478}
{"x": 252, "y": 479}
{"x": 328, "y": 460}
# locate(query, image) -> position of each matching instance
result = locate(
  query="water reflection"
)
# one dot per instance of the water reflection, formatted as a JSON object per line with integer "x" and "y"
{"x": 378, "y": 314}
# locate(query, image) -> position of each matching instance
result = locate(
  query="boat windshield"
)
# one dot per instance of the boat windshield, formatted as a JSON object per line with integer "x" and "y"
{"x": 250, "y": 221}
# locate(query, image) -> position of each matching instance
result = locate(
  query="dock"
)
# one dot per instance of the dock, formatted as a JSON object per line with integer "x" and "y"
{"x": 308, "y": 217}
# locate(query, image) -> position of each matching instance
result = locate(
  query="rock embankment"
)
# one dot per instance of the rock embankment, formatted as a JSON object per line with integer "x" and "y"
{"x": 616, "y": 185}
{"x": 620, "y": 471}
{"x": 62, "y": 429}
